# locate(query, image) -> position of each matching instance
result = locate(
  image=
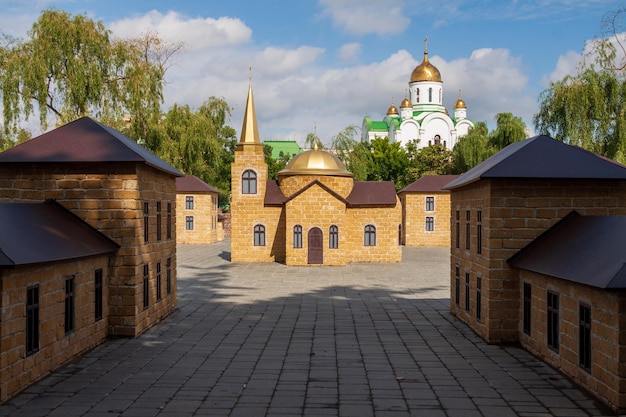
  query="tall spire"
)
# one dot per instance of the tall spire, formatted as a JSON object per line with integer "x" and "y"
{"x": 250, "y": 129}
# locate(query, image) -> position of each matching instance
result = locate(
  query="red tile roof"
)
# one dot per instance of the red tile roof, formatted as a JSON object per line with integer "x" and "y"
{"x": 84, "y": 140}
{"x": 32, "y": 233}
{"x": 193, "y": 184}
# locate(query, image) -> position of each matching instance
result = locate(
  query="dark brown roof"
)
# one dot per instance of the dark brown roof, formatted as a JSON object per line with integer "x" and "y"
{"x": 372, "y": 194}
{"x": 583, "y": 249}
{"x": 273, "y": 195}
{"x": 84, "y": 140}
{"x": 542, "y": 157}
{"x": 429, "y": 183}
{"x": 193, "y": 184}
{"x": 32, "y": 233}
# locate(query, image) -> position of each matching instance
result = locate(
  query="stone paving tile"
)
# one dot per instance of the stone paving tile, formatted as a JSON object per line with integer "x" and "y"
{"x": 270, "y": 340}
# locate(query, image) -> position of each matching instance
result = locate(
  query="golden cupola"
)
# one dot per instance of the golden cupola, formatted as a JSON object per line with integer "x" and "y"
{"x": 425, "y": 71}
{"x": 315, "y": 162}
{"x": 460, "y": 104}
{"x": 406, "y": 103}
{"x": 392, "y": 110}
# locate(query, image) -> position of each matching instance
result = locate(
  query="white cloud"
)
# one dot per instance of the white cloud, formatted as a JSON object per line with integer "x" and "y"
{"x": 566, "y": 65}
{"x": 195, "y": 33}
{"x": 350, "y": 51}
{"x": 361, "y": 17}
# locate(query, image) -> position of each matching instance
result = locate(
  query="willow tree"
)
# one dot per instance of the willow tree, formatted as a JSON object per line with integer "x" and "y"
{"x": 588, "y": 109}
{"x": 70, "y": 67}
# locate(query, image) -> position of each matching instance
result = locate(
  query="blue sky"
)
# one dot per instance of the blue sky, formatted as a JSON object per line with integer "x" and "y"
{"x": 328, "y": 63}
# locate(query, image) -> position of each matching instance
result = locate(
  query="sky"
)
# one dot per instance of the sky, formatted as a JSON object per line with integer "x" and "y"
{"x": 322, "y": 65}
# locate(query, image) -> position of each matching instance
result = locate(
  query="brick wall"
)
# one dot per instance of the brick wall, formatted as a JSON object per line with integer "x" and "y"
{"x": 206, "y": 228}
{"x": 17, "y": 370}
{"x": 414, "y": 219}
{"x": 514, "y": 212}
{"x": 605, "y": 376}
{"x": 110, "y": 197}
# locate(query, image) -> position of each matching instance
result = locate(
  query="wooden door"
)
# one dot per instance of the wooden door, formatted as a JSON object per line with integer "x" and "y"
{"x": 316, "y": 246}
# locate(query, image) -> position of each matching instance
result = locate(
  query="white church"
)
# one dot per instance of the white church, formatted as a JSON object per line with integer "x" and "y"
{"x": 422, "y": 114}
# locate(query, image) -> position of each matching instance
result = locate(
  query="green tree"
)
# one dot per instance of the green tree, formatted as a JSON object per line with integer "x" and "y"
{"x": 509, "y": 129}
{"x": 274, "y": 166}
{"x": 311, "y": 140}
{"x": 430, "y": 160}
{"x": 472, "y": 149}
{"x": 70, "y": 67}
{"x": 389, "y": 160}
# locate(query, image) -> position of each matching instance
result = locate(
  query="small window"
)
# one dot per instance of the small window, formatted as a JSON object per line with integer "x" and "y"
{"x": 479, "y": 232}
{"x": 158, "y": 281}
{"x": 158, "y": 220}
{"x": 430, "y": 203}
{"x": 370, "y": 235}
{"x": 70, "y": 305}
{"x": 527, "y": 307}
{"x": 479, "y": 284}
{"x": 467, "y": 230}
{"x": 146, "y": 286}
{"x": 188, "y": 222}
{"x": 553, "y": 321}
{"x": 400, "y": 234}
{"x": 297, "y": 236}
{"x": 457, "y": 287}
{"x": 458, "y": 230}
{"x": 189, "y": 202}
{"x": 248, "y": 182}
{"x": 146, "y": 221}
{"x": 584, "y": 337}
{"x": 169, "y": 221}
{"x": 467, "y": 291}
{"x": 168, "y": 276}
{"x": 430, "y": 224}
{"x": 32, "y": 320}
{"x": 259, "y": 235}
{"x": 98, "y": 295}
{"x": 333, "y": 237}
{"x": 430, "y": 95}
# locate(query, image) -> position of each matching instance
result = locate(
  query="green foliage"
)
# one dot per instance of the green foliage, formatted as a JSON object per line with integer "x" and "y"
{"x": 69, "y": 68}
{"x": 388, "y": 160}
{"x": 431, "y": 160}
{"x": 587, "y": 110}
{"x": 274, "y": 165}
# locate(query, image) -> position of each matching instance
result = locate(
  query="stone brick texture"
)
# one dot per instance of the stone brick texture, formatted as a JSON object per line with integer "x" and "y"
{"x": 206, "y": 229}
{"x": 414, "y": 219}
{"x": 110, "y": 197}
{"x": 17, "y": 370}
{"x": 514, "y": 213}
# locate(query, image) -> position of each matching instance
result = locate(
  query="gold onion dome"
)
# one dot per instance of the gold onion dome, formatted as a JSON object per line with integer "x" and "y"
{"x": 315, "y": 162}
{"x": 460, "y": 104}
{"x": 392, "y": 109}
{"x": 406, "y": 103}
{"x": 425, "y": 71}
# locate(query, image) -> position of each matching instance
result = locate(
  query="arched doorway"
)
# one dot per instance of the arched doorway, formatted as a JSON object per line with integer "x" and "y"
{"x": 316, "y": 246}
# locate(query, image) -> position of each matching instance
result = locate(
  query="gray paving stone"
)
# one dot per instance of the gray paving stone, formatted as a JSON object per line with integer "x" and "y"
{"x": 270, "y": 340}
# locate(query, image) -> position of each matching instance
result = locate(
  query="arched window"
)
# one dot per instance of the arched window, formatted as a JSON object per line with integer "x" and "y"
{"x": 248, "y": 182}
{"x": 400, "y": 234}
{"x": 333, "y": 237}
{"x": 370, "y": 235}
{"x": 437, "y": 140}
{"x": 417, "y": 95}
{"x": 297, "y": 236}
{"x": 259, "y": 235}
{"x": 430, "y": 95}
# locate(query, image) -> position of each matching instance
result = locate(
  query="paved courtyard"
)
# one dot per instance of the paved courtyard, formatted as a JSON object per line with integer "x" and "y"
{"x": 270, "y": 340}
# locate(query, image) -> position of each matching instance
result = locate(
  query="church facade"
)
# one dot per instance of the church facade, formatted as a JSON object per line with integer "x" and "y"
{"x": 422, "y": 115}
{"x": 314, "y": 214}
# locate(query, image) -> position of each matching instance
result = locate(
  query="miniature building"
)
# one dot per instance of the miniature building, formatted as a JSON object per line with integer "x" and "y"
{"x": 426, "y": 211}
{"x": 504, "y": 205}
{"x": 315, "y": 214}
{"x": 54, "y": 293}
{"x": 197, "y": 212}
{"x": 118, "y": 189}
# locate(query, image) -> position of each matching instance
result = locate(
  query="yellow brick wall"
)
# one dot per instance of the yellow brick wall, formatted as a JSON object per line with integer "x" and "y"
{"x": 110, "y": 198}
{"x": 607, "y": 318}
{"x": 340, "y": 185}
{"x": 514, "y": 212}
{"x": 206, "y": 228}
{"x": 18, "y": 371}
{"x": 414, "y": 219}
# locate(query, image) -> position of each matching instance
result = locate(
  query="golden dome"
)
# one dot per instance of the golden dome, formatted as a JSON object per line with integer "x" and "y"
{"x": 406, "y": 103}
{"x": 425, "y": 71}
{"x": 315, "y": 162}
{"x": 392, "y": 109}
{"x": 460, "y": 104}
